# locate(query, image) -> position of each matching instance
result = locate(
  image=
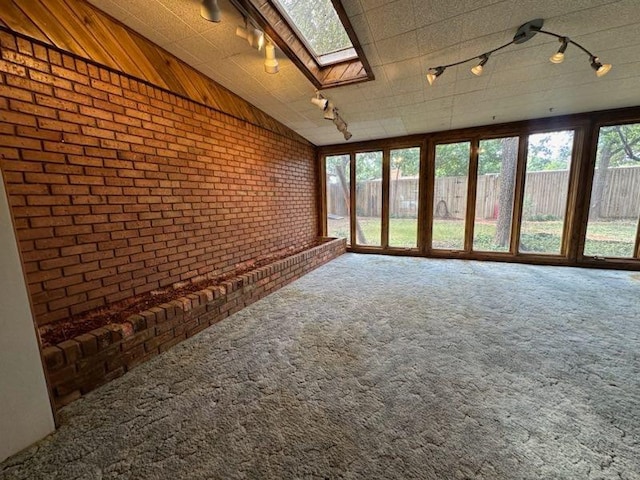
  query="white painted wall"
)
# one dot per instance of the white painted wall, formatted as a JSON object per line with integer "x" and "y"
{"x": 25, "y": 411}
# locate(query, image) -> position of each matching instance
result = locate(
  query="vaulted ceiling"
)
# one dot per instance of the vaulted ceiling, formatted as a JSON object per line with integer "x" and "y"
{"x": 401, "y": 40}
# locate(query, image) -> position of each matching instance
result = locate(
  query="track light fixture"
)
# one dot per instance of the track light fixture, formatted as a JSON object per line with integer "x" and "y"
{"x": 434, "y": 73}
{"x": 477, "y": 70}
{"x": 270, "y": 61}
{"x": 341, "y": 125}
{"x": 330, "y": 112}
{"x": 601, "y": 68}
{"x": 525, "y": 32}
{"x": 253, "y": 36}
{"x": 558, "y": 57}
{"x": 319, "y": 101}
{"x": 209, "y": 10}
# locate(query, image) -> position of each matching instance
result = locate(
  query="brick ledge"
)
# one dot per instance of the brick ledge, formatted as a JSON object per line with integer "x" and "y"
{"x": 77, "y": 366}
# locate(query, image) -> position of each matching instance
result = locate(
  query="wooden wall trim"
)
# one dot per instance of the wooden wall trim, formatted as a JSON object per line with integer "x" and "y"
{"x": 78, "y": 28}
{"x": 518, "y": 194}
{"x": 386, "y": 183}
{"x": 472, "y": 186}
{"x": 352, "y": 200}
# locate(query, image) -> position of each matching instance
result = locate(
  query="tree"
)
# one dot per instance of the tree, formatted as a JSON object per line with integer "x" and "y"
{"x": 338, "y": 167}
{"x": 509, "y": 158}
{"x": 319, "y": 24}
{"x": 618, "y": 146}
{"x": 452, "y": 159}
{"x": 368, "y": 166}
{"x": 549, "y": 151}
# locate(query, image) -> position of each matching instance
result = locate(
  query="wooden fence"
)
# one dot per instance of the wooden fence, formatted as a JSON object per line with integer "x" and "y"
{"x": 545, "y": 195}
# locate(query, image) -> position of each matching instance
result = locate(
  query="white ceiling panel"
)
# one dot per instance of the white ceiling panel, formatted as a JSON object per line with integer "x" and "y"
{"x": 391, "y": 19}
{"x": 403, "y": 38}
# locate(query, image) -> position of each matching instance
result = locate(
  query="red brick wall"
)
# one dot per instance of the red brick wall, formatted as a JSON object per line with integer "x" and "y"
{"x": 118, "y": 188}
{"x": 77, "y": 366}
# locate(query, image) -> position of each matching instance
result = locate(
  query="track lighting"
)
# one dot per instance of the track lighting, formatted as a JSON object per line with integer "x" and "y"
{"x": 434, "y": 73}
{"x": 524, "y": 33}
{"x": 558, "y": 57}
{"x": 319, "y": 101}
{"x": 600, "y": 68}
{"x": 270, "y": 62}
{"x": 209, "y": 10}
{"x": 341, "y": 125}
{"x": 253, "y": 36}
{"x": 330, "y": 112}
{"x": 477, "y": 70}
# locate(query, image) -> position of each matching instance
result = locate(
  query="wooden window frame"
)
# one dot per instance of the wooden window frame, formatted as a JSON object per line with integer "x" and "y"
{"x": 585, "y": 129}
{"x": 285, "y": 36}
{"x": 432, "y": 182}
{"x": 570, "y": 205}
{"x": 607, "y": 119}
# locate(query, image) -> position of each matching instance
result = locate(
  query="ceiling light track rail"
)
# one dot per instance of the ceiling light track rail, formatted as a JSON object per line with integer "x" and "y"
{"x": 331, "y": 113}
{"x": 524, "y": 33}
{"x": 251, "y": 32}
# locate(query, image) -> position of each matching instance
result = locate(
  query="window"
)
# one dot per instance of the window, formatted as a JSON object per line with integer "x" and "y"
{"x": 403, "y": 197}
{"x": 316, "y": 36}
{"x": 338, "y": 195}
{"x": 527, "y": 201}
{"x": 450, "y": 195}
{"x": 369, "y": 198}
{"x": 497, "y": 161}
{"x": 545, "y": 192}
{"x": 319, "y": 27}
{"x": 615, "y": 195}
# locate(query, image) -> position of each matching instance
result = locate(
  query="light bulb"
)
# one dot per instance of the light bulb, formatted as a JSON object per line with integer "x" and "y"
{"x": 271, "y": 62}
{"x": 557, "y": 57}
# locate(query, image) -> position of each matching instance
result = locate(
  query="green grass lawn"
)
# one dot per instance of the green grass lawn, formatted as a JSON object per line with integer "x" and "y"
{"x": 607, "y": 239}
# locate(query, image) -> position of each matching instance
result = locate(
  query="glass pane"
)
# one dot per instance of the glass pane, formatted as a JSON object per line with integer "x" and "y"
{"x": 615, "y": 195}
{"x": 450, "y": 195}
{"x": 403, "y": 197}
{"x": 338, "y": 218}
{"x": 545, "y": 192}
{"x": 369, "y": 198}
{"x": 318, "y": 24}
{"x": 497, "y": 159}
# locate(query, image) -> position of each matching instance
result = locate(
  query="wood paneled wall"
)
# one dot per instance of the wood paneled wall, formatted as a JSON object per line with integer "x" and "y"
{"x": 79, "y": 28}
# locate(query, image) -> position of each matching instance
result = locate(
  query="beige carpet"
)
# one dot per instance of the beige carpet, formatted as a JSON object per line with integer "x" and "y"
{"x": 378, "y": 367}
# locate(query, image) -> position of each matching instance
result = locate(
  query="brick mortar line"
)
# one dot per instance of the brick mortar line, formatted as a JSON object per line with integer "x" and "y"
{"x": 61, "y": 51}
{"x": 87, "y": 210}
{"x": 78, "y": 365}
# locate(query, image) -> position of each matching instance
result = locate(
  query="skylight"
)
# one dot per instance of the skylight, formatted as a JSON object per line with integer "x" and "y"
{"x": 316, "y": 35}
{"x": 320, "y": 28}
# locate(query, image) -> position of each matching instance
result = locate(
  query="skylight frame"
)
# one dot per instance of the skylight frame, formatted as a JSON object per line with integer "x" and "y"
{"x": 323, "y": 58}
{"x": 342, "y": 72}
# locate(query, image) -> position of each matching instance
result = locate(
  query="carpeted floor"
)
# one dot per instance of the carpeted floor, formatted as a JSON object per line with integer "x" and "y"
{"x": 376, "y": 367}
